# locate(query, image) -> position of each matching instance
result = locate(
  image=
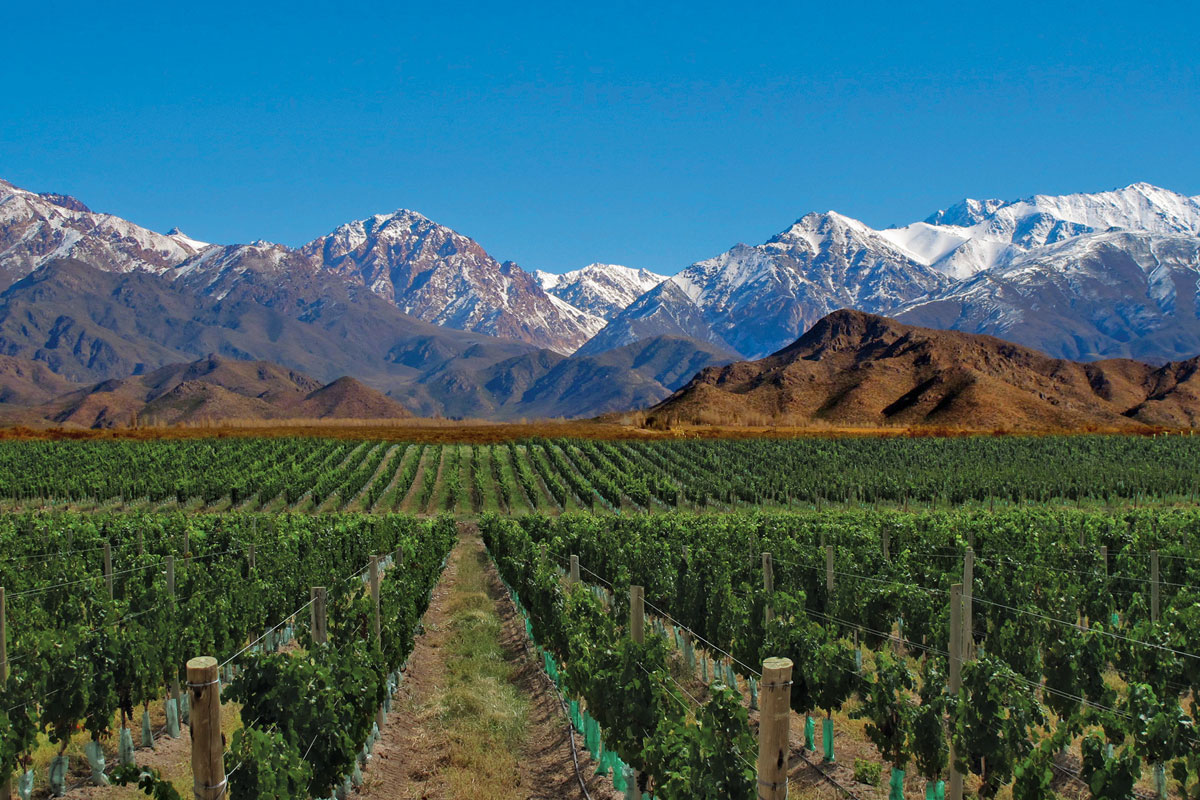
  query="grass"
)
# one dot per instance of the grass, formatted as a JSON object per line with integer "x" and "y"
{"x": 479, "y": 709}
{"x": 178, "y": 772}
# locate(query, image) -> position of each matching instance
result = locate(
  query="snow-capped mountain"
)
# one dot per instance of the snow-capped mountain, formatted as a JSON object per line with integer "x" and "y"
{"x": 1099, "y": 295}
{"x": 603, "y": 290}
{"x": 758, "y": 299}
{"x": 425, "y": 269}
{"x": 1049, "y": 271}
{"x": 38, "y": 228}
{"x": 975, "y": 235}
{"x": 441, "y": 276}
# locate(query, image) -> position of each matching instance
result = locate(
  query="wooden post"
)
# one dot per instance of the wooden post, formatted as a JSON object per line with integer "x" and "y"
{"x": 956, "y": 639}
{"x": 829, "y": 569}
{"x": 768, "y": 585}
{"x": 171, "y": 594}
{"x": 637, "y": 613}
{"x": 208, "y": 763}
{"x": 108, "y": 576}
{"x": 1104, "y": 558}
{"x": 887, "y": 545}
{"x": 574, "y": 569}
{"x": 187, "y": 544}
{"x": 317, "y": 609}
{"x": 1154, "y": 587}
{"x": 637, "y": 631}
{"x": 774, "y": 717}
{"x": 141, "y": 542}
{"x": 5, "y": 780}
{"x": 253, "y": 561}
{"x": 379, "y": 718}
{"x": 378, "y": 627}
{"x": 968, "y": 651}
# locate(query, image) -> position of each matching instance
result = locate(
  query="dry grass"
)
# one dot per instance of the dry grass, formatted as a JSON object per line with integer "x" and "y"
{"x": 479, "y": 710}
{"x": 612, "y": 427}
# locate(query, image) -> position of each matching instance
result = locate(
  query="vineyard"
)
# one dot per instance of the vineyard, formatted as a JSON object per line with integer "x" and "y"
{"x": 1005, "y": 617}
{"x": 554, "y": 475}
{"x": 104, "y": 610}
{"x": 1078, "y": 648}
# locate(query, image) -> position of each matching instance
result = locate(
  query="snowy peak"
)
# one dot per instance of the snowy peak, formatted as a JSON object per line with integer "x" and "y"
{"x": 758, "y": 299}
{"x": 602, "y": 290}
{"x": 187, "y": 241}
{"x": 976, "y": 235}
{"x": 965, "y": 213}
{"x": 441, "y": 276}
{"x": 38, "y": 228}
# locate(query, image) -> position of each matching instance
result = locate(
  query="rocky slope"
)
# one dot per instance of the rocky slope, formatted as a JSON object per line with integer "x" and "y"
{"x": 860, "y": 370}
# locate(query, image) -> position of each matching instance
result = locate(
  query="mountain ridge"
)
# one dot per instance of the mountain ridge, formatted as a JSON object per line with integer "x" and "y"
{"x": 863, "y": 370}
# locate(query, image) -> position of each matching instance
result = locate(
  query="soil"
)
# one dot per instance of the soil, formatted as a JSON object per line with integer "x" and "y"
{"x": 412, "y": 756}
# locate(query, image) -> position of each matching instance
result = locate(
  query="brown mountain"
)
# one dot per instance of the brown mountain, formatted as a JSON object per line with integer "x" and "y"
{"x": 24, "y": 382}
{"x": 855, "y": 369}
{"x": 214, "y": 389}
{"x": 347, "y": 398}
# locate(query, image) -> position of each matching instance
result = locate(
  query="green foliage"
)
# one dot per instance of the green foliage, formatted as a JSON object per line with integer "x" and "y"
{"x": 1109, "y": 778}
{"x": 18, "y": 723}
{"x": 148, "y": 780}
{"x": 867, "y": 772}
{"x": 995, "y": 716}
{"x": 263, "y": 765}
{"x": 889, "y": 709}
{"x": 927, "y": 743}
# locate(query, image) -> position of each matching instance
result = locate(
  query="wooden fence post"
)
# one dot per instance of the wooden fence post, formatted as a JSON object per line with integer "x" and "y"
{"x": 768, "y": 585}
{"x": 108, "y": 576}
{"x": 637, "y": 630}
{"x": 378, "y": 623}
{"x": 829, "y": 569}
{"x": 1104, "y": 558}
{"x": 574, "y": 569}
{"x": 956, "y": 642}
{"x": 968, "y": 597}
{"x": 1154, "y": 586}
{"x": 319, "y": 633}
{"x": 637, "y": 613}
{"x": 774, "y": 718}
{"x": 171, "y": 594}
{"x": 253, "y": 560}
{"x": 208, "y": 763}
{"x": 6, "y": 779}
{"x": 379, "y": 718}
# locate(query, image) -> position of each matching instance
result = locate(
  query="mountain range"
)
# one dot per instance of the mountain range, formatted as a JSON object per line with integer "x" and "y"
{"x": 854, "y": 369}
{"x": 426, "y": 315}
{"x": 210, "y": 389}
{"x": 1083, "y": 276}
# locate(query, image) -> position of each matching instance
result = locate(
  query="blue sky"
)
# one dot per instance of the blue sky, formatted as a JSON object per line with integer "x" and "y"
{"x": 561, "y": 133}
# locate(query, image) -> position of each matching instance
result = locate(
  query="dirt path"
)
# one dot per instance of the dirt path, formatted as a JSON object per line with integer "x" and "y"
{"x": 424, "y": 754}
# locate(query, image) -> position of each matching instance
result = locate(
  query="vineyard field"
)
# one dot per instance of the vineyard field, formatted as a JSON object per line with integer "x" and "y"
{"x": 555, "y": 475}
{"x": 1023, "y": 612}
